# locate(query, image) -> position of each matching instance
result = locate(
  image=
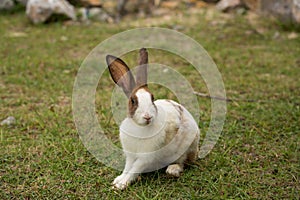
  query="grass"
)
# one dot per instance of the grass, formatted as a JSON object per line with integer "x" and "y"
{"x": 257, "y": 156}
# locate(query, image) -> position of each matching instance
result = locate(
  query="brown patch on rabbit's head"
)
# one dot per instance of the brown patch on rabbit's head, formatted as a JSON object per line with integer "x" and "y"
{"x": 141, "y": 105}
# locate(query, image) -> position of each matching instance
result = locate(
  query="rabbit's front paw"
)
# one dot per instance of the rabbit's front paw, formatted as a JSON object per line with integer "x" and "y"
{"x": 117, "y": 180}
{"x": 120, "y": 183}
{"x": 174, "y": 170}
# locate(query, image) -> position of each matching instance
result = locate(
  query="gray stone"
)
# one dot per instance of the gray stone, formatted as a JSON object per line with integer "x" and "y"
{"x": 252, "y": 4}
{"x": 38, "y": 11}
{"x": 6, "y": 4}
{"x": 281, "y": 9}
{"x": 286, "y": 11}
{"x": 97, "y": 14}
{"x": 8, "y": 121}
{"x": 226, "y": 5}
{"x": 296, "y": 11}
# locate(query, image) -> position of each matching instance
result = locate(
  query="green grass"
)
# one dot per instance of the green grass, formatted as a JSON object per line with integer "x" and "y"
{"x": 42, "y": 157}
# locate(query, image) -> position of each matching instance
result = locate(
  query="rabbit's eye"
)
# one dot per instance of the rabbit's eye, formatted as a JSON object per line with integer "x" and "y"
{"x": 133, "y": 101}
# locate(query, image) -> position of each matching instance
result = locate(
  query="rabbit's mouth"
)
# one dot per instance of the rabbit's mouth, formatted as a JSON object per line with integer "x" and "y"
{"x": 145, "y": 122}
{"x": 148, "y": 121}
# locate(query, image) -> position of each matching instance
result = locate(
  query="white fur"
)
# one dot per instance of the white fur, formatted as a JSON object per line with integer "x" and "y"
{"x": 148, "y": 148}
{"x": 145, "y": 107}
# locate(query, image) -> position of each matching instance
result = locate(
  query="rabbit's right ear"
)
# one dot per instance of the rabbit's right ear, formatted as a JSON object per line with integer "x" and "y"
{"x": 141, "y": 74}
{"x": 121, "y": 74}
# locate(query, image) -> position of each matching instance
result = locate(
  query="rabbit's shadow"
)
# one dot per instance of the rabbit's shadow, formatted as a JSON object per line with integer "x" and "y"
{"x": 160, "y": 176}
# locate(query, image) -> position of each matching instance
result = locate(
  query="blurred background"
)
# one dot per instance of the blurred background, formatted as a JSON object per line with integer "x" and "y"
{"x": 255, "y": 44}
{"x": 41, "y": 11}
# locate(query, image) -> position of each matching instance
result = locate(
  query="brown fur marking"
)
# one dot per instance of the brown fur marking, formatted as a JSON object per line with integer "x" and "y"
{"x": 179, "y": 109}
{"x": 132, "y": 106}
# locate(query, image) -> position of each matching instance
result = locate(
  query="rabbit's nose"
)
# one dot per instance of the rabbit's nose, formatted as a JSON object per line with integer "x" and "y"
{"x": 147, "y": 117}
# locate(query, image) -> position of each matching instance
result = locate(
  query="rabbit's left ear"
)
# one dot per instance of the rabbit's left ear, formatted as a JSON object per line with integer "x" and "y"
{"x": 121, "y": 74}
{"x": 141, "y": 74}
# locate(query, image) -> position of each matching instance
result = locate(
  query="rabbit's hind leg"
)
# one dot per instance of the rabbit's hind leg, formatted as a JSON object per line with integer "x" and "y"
{"x": 175, "y": 169}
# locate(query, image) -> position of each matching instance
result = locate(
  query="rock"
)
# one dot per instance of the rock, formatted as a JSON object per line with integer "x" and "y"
{"x": 97, "y": 14}
{"x": 6, "y": 4}
{"x": 281, "y": 9}
{"x": 160, "y": 11}
{"x": 8, "y": 121}
{"x": 286, "y": 11}
{"x": 226, "y": 5}
{"x": 9, "y": 4}
{"x": 16, "y": 34}
{"x": 252, "y": 4}
{"x": 135, "y": 6}
{"x": 292, "y": 35}
{"x": 296, "y": 11}
{"x": 201, "y": 4}
{"x": 100, "y": 15}
{"x": 241, "y": 11}
{"x": 195, "y": 3}
{"x": 276, "y": 35}
{"x": 177, "y": 27}
{"x": 38, "y": 11}
{"x": 169, "y": 4}
{"x": 63, "y": 38}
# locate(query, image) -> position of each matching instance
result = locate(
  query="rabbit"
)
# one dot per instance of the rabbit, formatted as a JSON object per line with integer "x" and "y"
{"x": 156, "y": 133}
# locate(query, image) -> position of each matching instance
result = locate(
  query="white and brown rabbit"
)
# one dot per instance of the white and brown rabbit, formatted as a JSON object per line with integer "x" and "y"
{"x": 155, "y": 134}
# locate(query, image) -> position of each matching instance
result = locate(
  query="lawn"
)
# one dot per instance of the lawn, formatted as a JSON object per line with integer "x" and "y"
{"x": 256, "y": 157}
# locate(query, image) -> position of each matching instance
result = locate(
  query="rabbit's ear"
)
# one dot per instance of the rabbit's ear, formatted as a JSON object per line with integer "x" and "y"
{"x": 141, "y": 74}
{"x": 121, "y": 74}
